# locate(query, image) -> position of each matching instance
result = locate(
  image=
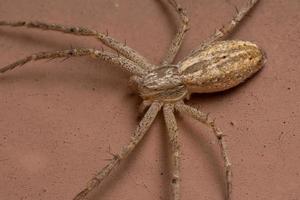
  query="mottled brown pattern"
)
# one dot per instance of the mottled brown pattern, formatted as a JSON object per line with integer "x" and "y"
{"x": 220, "y": 66}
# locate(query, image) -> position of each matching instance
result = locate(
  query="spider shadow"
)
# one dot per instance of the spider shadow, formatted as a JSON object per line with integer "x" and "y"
{"x": 170, "y": 14}
{"x": 31, "y": 37}
{"x": 91, "y": 78}
{"x": 206, "y": 150}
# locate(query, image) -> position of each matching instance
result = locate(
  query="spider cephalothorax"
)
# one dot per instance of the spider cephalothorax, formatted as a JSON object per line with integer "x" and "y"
{"x": 214, "y": 66}
{"x": 162, "y": 83}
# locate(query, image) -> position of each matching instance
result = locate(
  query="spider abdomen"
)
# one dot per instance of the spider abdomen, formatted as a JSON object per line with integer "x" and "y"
{"x": 220, "y": 66}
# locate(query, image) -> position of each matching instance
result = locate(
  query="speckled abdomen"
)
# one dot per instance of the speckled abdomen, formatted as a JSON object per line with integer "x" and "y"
{"x": 220, "y": 66}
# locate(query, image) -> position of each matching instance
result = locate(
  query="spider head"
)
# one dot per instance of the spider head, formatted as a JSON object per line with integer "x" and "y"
{"x": 162, "y": 83}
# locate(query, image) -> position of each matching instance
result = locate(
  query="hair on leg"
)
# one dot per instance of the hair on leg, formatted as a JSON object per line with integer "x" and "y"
{"x": 126, "y": 64}
{"x": 226, "y": 30}
{"x": 203, "y": 117}
{"x": 138, "y": 135}
{"x": 172, "y": 128}
{"x": 177, "y": 40}
{"x": 81, "y": 31}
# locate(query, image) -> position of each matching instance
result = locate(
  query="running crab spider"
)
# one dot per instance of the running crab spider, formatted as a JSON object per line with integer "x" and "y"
{"x": 216, "y": 65}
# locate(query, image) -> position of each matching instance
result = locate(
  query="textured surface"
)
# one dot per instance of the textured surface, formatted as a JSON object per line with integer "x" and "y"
{"x": 58, "y": 119}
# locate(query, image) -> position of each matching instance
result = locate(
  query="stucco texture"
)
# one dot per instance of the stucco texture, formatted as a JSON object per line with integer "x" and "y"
{"x": 59, "y": 120}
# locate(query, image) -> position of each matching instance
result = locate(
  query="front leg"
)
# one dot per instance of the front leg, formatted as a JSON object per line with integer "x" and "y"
{"x": 178, "y": 39}
{"x": 226, "y": 30}
{"x": 126, "y": 64}
{"x": 81, "y": 31}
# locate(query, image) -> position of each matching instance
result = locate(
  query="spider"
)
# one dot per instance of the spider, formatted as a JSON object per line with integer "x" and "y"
{"x": 216, "y": 65}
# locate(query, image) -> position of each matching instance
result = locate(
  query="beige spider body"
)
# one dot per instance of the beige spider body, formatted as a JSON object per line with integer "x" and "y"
{"x": 163, "y": 84}
{"x": 216, "y": 65}
{"x": 220, "y": 66}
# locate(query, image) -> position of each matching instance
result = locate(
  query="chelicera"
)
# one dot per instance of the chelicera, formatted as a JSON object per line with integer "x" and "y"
{"x": 216, "y": 65}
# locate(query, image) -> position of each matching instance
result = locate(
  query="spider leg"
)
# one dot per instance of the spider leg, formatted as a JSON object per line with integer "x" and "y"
{"x": 203, "y": 117}
{"x": 171, "y": 124}
{"x": 126, "y": 64}
{"x": 177, "y": 40}
{"x": 138, "y": 135}
{"x": 222, "y": 33}
{"x": 104, "y": 38}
